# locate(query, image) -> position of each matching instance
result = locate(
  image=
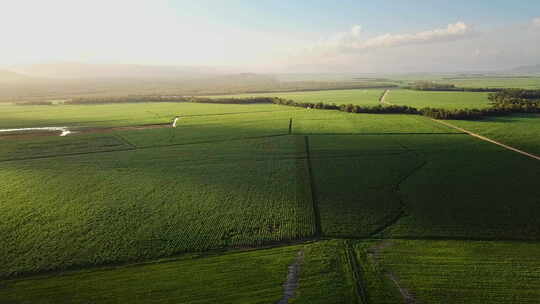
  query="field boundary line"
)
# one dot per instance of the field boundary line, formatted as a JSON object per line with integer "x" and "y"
{"x": 318, "y": 229}
{"x": 488, "y": 139}
{"x": 65, "y": 155}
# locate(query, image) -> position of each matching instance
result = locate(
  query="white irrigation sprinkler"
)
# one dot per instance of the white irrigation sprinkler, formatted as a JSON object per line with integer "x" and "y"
{"x": 65, "y": 131}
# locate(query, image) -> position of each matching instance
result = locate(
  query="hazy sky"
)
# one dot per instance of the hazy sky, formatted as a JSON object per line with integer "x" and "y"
{"x": 277, "y": 35}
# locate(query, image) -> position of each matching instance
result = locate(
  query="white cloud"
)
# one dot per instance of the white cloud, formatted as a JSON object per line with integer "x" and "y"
{"x": 352, "y": 41}
{"x": 456, "y": 47}
{"x": 356, "y": 30}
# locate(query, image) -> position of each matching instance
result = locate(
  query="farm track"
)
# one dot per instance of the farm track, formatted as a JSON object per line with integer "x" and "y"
{"x": 488, "y": 139}
{"x": 291, "y": 283}
{"x": 383, "y": 97}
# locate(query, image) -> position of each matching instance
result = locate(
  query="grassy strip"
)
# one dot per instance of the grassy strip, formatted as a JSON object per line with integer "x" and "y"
{"x": 254, "y": 276}
{"x": 245, "y": 277}
{"x": 459, "y": 272}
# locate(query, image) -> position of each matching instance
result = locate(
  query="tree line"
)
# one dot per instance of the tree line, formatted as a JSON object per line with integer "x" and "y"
{"x": 35, "y": 103}
{"x": 434, "y": 86}
{"x": 141, "y": 99}
{"x": 503, "y": 102}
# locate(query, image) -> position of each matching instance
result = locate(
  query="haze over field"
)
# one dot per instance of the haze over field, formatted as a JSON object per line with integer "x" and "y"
{"x": 270, "y": 151}
{"x": 266, "y": 36}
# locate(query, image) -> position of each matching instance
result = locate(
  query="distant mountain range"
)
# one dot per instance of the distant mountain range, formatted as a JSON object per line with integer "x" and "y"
{"x": 9, "y": 76}
{"x": 93, "y": 71}
{"x": 527, "y": 69}
{"x": 38, "y": 73}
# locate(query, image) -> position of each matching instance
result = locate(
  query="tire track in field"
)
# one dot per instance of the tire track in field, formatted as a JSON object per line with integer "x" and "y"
{"x": 488, "y": 139}
{"x": 356, "y": 271}
{"x": 405, "y": 293}
{"x": 374, "y": 253}
{"x": 293, "y": 274}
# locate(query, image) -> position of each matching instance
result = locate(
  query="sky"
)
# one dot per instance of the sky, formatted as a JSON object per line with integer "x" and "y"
{"x": 275, "y": 36}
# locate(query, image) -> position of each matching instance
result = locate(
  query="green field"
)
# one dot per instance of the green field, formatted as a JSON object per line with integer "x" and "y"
{"x": 466, "y": 190}
{"x": 187, "y": 214}
{"x": 338, "y": 97}
{"x": 520, "y": 131}
{"x": 496, "y": 82}
{"x": 465, "y": 272}
{"x": 446, "y": 100}
{"x": 184, "y": 198}
{"x": 313, "y": 122}
{"x": 356, "y": 179}
{"x": 238, "y": 277}
{"x": 114, "y": 115}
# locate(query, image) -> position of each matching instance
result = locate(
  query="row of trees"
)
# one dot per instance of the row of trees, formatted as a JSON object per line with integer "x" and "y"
{"x": 503, "y": 102}
{"x": 514, "y": 96}
{"x": 139, "y": 99}
{"x": 35, "y": 103}
{"x": 434, "y": 86}
{"x": 380, "y": 109}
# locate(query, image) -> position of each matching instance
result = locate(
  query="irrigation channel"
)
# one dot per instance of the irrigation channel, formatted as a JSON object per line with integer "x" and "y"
{"x": 64, "y": 131}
